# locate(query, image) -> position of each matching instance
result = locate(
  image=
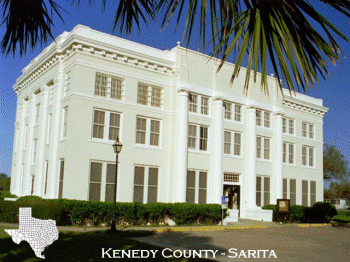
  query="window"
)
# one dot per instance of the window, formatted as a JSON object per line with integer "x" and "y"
{"x": 288, "y": 153}
{"x": 46, "y": 175}
{"x": 145, "y": 184}
{"x": 198, "y": 104}
{"x": 292, "y": 191}
{"x": 114, "y": 124}
{"x": 203, "y": 139}
{"x": 110, "y": 120}
{"x": 228, "y": 110}
{"x": 262, "y": 191}
{"x": 65, "y": 118}
{"x": 308, "y": 130}
{"x": 237, "y": 143}
{"x": 37, "y": 114}
{"x": 193, "y": 103}
{"x": 95, "y": 181}
{"x": 307, "y": 156}
{"x": 104, "y": 83}
{"x": 110, "y": 177}
{"x": 100, "y": 85}
{"x": 149, "y": 95}
{"x": 312, "y": 192}
{"x": 237, "y": 111}
{"x": 99, "y": 121}
{"x": 197, "y": 131}
{"x": 285, "y": 188}
{"x": 60, "y": 186}
{"x": 305, "y": 192}
{"x": 147, "y": 131}
{"x": 288, "y": 126}
{"x": 48, "y": 136}
{"x": 116, "y": 88}
{"x": 262, "y": 143}
{"x": 204, "y": 105}
{"x": 231, "y": 177}
{"x": 35, "y": 144}
{"x": 196, "y": 190}
{"x": 262, "y": 118}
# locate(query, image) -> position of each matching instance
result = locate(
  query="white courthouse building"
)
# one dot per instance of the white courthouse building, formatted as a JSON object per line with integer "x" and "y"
{"x": 188, "y": 135}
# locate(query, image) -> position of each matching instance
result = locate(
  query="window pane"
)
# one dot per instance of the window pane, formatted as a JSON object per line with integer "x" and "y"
{"x": 284, "y": 125}
{"x": 156, "y": 96}
{"x": 142, "y": 94}
{"x": 237, "y": 148}
{"x": 304, "y": 156}
{"x": 258, "y": 191}
{"x": 95, "y": 191}
{"x": 152, "y": 194}
{"x": 138, "y": 194}
{"x": 266, "y": 119}
{"x": 292, "y": 189}
{"x": 203, "y": 138}
{"x": 228, "y": 110}
{"x": 202, "y": 197}
{"x": 311, "y": 131}
{"x": 190, "y": 195}
{"x": 312, "y": 192}
{"x": 116, "y": 88}
{"x": 238, "y": 113}
{"x": 258, "y": 147}
{"x": 139, "y": 175}
{"x": 284, "y": 152}
{"x": 154, "y": 132}
{"x": 110, "y": 173}
{"x": 114, "y": 124}
{"x": 204, "y": 106}
{"x": 227, "y": 142}
{"x": 266, "y": 190}
{"x": 285, "y": 188}
{"x": 109, "y": 193}
{"x": 99, "y": 120}
{"x": 193, "y": 103}
{"x": 304, "y": 129}
{"x": 291, "y": 126}
{"x": 100, "y": 85}
{"x": 96, "y": 170}
{"x": 305, "y": 193}
{"x": 266, "y": 148}
{"x": 311, "y": 156}
{"x": 291, "y": 153}
{"x": 258, "y": 117}
{"x": 141, "y": 131}
{"x": 192, "y": 136}
{"x": 191, "y": 177}
{"x": 153, "y": 176}
{"x": 203, "y": 180}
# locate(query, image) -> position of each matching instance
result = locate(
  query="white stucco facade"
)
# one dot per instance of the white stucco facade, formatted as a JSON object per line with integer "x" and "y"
{"x": 188, "y": 134}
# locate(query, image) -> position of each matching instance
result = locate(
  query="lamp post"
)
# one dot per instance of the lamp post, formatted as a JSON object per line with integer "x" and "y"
{"x": 117, "y": 147}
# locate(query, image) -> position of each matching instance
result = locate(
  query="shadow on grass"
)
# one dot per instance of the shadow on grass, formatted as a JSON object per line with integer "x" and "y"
{"x": 82, "y": 246}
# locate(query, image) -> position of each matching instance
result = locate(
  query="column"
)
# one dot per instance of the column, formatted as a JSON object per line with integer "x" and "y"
{"x": 216, "y": 184}
{"x": 278, "y": 160}
{"x": 181, "y": 146}
{"x": 39, "y": 185}
{"x": 56, "y": 128}
{"x": 250, "y": 179}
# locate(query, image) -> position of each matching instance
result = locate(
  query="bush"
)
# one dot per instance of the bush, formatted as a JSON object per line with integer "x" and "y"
{"x": 30, "y": 198}
{"x": 6, "y": 194}
{"x": 41, "y": 210}
{"x": 320, "y": 212}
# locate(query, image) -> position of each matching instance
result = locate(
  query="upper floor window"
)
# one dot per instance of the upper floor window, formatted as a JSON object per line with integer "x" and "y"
{"x": 262, "y": 147}
{"x": 104, "y": 83}
{"x": 149, "y": 95}
{"x": 288, "y": 153}
{"x": 198, "y": 137}
{"x": 308, "y": 130}
{"x": 195, "y": 107}
{"x": 233, "y": 110}
{"x": 262, "y": 118}
{"x": 106, "y": 124}
{"x": 288, "y": 126}
{"x": 237, "y": 143}
{"x": 147, "y": 131}
{"x": 307, "y": 156}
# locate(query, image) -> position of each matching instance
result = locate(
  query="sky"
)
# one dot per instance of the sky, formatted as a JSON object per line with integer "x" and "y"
{"x": 335, "y": 90}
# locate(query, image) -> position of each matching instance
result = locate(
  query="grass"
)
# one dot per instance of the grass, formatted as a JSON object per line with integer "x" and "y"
{"x": 343, "y": 216}
{"x": 80, "y": 246}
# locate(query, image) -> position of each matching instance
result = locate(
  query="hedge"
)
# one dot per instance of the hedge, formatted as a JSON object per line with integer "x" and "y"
{"x": 320, "y": 212}
{"x": 77, "y": 212}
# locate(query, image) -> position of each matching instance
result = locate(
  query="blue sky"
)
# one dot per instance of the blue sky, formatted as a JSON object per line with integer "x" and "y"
{"x": 335, "y": 90}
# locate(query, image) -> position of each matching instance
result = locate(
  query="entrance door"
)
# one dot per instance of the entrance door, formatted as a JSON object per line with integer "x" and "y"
{"x": 232, "y": 193}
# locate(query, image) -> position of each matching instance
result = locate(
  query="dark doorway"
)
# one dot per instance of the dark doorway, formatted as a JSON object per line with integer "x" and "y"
{"x": 233, "y": 196}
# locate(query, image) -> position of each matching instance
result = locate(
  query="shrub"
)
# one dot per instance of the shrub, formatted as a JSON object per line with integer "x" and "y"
{"x": 296, "y": 213}
{"x": 6, "y": 194}
{"x": 41, "y": 210}
{"x": 30, "y": 198}
{"x": 320, "y": 212}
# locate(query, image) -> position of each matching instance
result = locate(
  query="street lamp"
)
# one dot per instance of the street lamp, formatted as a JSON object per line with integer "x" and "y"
{"x": 117, "y": 147}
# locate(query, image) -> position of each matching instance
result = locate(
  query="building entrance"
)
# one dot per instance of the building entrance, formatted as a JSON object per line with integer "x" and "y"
{"x": 232, "y": 193}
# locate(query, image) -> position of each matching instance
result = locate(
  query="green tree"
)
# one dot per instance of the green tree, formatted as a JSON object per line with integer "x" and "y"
{"x": 5, "y": 182}
{"x": 287, "y": 33}
{"x": 334, "y": 164}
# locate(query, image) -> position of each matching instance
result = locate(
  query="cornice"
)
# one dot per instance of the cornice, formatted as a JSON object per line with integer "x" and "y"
{"x": 304, "y": 106}
{"x": 50, "y": 58}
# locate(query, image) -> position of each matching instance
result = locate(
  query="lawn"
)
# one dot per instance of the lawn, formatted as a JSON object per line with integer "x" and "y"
{"x": 343, "y": 215}
{"x": 79, "y": 246}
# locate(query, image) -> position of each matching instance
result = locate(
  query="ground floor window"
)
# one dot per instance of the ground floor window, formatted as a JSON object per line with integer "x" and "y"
{"x": 312, "y": 192}
{"x": 60, "y": 185}
{"x": 196, "y": 190}
{"x": 145, "y": 184}
{"x": 262, "y": 190}
{"x": 102, "y": 175}
{"x": 304, "y": 194}
{"x": 292, "y": 190}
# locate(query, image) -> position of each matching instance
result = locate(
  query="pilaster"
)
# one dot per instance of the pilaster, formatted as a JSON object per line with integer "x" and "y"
{"x": 277, "y": 186}
{"x": 250, "y": 178}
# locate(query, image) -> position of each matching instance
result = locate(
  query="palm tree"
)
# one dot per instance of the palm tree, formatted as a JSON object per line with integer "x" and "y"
{"x": 282, "y": 32}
